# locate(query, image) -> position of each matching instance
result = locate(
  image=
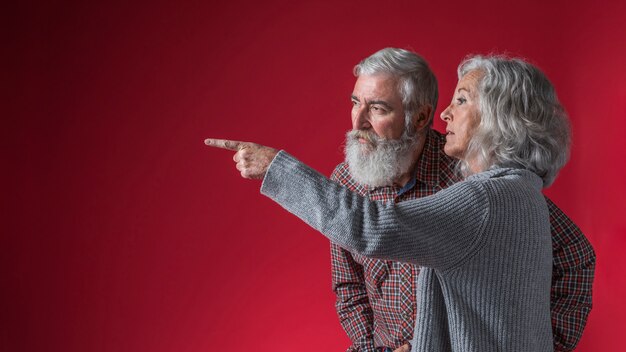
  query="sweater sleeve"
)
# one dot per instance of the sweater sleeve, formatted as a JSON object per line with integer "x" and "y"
{"x": 438, "y": 231}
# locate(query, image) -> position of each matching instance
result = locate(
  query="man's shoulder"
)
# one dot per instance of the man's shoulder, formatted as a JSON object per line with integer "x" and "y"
{"x": 341, "y": 173}
{"x": 559, "y": 218}
{"x": 342, "y": 176}
{"x": 341, "y": 167}
{"x": 435, "y": 166}
{"x": 564, "y": 231}
{"x": 436, "y": 142}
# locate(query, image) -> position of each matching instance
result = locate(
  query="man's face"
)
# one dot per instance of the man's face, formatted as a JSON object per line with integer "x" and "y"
{"x": 377, "y": 107}
{"x": 378, "y": 149}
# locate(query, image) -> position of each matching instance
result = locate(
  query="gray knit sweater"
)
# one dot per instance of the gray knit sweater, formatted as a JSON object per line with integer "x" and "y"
{"x": 484, "y": 244}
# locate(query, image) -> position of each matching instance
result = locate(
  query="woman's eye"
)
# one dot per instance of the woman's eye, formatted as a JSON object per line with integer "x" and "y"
{"x": 461, "y": 100}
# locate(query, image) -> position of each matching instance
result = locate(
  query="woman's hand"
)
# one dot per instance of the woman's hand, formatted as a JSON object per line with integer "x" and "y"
{"x": 252, "y": 159}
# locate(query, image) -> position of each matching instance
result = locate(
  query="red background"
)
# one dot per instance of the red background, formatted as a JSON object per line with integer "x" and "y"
{"x": 121, "y": 231}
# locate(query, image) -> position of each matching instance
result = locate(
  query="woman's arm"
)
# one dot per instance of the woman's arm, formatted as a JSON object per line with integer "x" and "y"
{"x": 437, "y": 231}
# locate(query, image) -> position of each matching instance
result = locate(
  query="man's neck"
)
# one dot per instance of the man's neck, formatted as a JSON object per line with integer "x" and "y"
{"x": 406, "y": 177}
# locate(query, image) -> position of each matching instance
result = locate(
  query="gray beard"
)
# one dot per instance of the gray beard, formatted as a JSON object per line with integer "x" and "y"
{"x": 380, "y": 161}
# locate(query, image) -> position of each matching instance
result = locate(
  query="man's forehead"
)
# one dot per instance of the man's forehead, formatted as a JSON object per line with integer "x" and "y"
{"x": 380, "y": 77}
{"x": 379, "y": 86}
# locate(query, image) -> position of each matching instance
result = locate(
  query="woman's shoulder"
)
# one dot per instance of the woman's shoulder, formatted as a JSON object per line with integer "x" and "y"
{"x": 505, "y": 173}
{"x": 508, "y": 180}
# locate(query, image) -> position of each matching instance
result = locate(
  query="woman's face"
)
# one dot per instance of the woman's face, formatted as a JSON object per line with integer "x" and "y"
{"x": 462, "y": 115}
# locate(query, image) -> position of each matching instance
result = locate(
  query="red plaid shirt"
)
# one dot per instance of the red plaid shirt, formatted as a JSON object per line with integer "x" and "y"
{"x": 376, "y": 299}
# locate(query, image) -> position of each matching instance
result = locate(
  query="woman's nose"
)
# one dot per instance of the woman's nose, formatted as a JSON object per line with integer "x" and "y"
{"x": 445, "y": 115}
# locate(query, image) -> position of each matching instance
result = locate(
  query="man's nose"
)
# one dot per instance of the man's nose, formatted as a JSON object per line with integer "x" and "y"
{"x": 360, "y": 119}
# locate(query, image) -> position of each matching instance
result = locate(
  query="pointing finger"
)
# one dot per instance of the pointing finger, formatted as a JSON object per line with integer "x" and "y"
{"x": 224, "y": 144}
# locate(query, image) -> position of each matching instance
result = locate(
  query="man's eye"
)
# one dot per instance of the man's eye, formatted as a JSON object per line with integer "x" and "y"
{"x": 377, "y": 109}
{"x": 461, "y": 100}
{"x": 355, "y": 103}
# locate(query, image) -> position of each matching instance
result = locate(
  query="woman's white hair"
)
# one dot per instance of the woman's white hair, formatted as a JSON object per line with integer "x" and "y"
{"x": 417, "y": 83}
{"x": 522, "y": 123}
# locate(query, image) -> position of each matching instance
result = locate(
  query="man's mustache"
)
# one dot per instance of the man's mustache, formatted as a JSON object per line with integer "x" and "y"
{"x": 370, "y": 137}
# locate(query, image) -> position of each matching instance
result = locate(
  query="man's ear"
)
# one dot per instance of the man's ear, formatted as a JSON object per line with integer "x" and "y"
{"x": 422, "y": 117}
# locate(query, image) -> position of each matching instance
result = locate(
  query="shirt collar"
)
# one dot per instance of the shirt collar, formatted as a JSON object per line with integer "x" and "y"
{"x": 409, "y": 185}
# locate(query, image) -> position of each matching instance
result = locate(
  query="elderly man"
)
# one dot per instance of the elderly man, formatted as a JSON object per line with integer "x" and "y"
{"x": 393, "y": 155}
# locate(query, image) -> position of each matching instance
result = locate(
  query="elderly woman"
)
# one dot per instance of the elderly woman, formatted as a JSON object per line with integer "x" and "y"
{"x": 484, "y": 243}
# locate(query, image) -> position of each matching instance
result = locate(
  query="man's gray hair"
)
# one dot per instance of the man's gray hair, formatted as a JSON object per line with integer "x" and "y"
{"x": 522, "y": 123}
{"x": 417, "y": 84}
